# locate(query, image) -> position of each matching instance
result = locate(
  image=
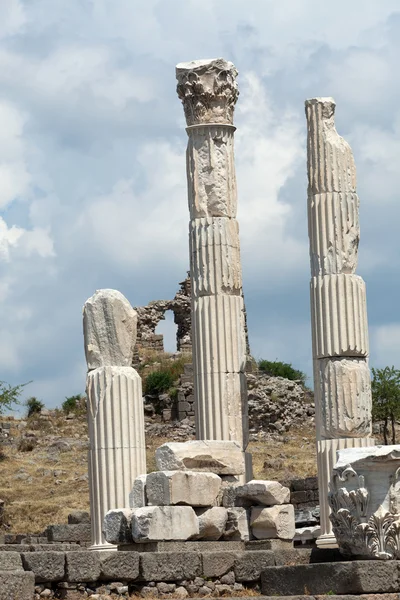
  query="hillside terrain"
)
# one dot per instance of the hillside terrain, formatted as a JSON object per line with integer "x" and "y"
{"x": 43, "y": 474}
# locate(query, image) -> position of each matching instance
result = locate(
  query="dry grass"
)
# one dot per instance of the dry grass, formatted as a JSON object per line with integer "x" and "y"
{"x": 42, "y": 486}
{"x": 283, "y": 460}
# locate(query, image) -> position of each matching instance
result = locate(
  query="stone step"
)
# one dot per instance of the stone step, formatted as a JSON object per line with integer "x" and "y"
{"x": 332, "y": 578}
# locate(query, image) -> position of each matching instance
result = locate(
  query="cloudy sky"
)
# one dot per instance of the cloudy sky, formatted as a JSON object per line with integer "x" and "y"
{"x": 92, "y": 167}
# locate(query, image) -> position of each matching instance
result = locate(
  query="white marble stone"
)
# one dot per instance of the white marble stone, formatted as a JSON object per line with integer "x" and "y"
{"x": 220, "y": 457}
{"x": 137, "y": 495}
{"x": 215, "y": 353}
{"x": 330, "y": 161}
{"x": 259, "y": 491}
{"x": 306, "y": 534}
{"x": 338, "y": 299}
{"x": 163, "y": 523}
{"x": 208, "y": 91}
{"x": 117, "y": 453}
{"x": 117, "y": 526}
{"x": 365, "y": 502}
{"x": 212, "y": 522}
{"x": 109, "y": 328}
{"x": 344, "y": 385}
{"x": 339, "y": 309}
{"x": 215, "y": 256}
{"x": 334, "y": 232}
{"x": 237, "y": 525}
{"x": 326, "y": 458}
{"x": 166, "y": 488}
{"x": 273, "y": 522}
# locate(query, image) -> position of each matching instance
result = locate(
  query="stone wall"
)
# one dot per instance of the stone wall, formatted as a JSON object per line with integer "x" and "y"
{"x": 149, "y": 317}
{"x": 177, "y": 570}
{"x": 275, "y": 403}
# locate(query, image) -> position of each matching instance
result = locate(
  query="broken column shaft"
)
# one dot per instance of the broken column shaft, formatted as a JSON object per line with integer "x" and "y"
{"x": 338, "y": 300}
{"x": 117, "y": 452}
{"x": 208, "y": 91}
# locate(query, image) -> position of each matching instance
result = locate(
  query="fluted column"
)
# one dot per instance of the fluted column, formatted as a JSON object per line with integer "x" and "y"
{"x": 208, "y": 91}
{"x": 117, "y": 452}
{"x": 338, "y": 300}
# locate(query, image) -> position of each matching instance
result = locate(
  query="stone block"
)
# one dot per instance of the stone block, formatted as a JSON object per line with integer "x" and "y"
{"x": 158, "y": 523}
{"x": 358, "y": 577}
{"x": 47, "y": 566}
{"x": 137, "y": 496}
{"x": 69, "y": 533}
{"x": 237, "y": 525}
{"x": 109, "y": 328}
{"x": 270, "y": 544}
{"x": 10, "y": 561}
{"x": 78, "y": 516}
{"x": 170, "y": 566}
{"x": 267, "y": 493}
{"x": 212, "y": 522}
{"x": 83, "y": 566}
{"x": 273, "y": 522}
{"x": 293, "y": 556}
{"x": 166, "y": 488}
{"x": 216, "y": 564}
{"x": 220, "y": 457}
{"x": 17, "y": 585}
{"x": 117, "y": 526}
{"x": 249, "y": 565}
{"x": 196, "y": 546}
{"x": 119, "y": 566}
{"x": 311, "y": 483}
{"x": 184, "y": 406}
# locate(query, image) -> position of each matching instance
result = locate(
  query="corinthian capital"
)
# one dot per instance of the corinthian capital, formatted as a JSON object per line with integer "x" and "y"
{"x": 208, "y": 90}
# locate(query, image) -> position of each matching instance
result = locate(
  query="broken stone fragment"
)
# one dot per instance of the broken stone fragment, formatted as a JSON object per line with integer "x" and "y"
{"x": 237, "y": 525}
{"x": 159, "y": 523}
{"x": 257, "y": 491}
{"x": 117, "y": 526}
{"x": 165, "y": 488}
{"x": 273, "y": 522}
{"x": 212, "y": 522}
{"x": 220, "y": 457}
{"x": 109, "y": 328}
{"x": 137, "y": 496}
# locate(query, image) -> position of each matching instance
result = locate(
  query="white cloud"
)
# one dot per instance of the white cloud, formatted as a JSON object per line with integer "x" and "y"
{"x": 92, "y": 167}
{"x": 14, "y": 176}
{"x": 270, "y": 146}
{"x": 12, "y": 18}
{"x": 136, "y": 225}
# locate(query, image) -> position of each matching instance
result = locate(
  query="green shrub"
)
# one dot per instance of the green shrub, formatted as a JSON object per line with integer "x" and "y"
{"x": 277, "y": 368}
{"x": 74, "y": 404}
{"x": 33, "y": 406}
{"x": 158, "y": 382}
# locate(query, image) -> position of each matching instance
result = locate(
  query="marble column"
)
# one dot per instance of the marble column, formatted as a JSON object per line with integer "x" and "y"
{"x": 117, "y": 453}
{"x": 209, "y": 91}
{"x": 338, "y": 300}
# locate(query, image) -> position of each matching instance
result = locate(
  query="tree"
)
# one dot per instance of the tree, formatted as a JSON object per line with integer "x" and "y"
{"x": 386, "y": 399}
{"x": 10, "y": 395}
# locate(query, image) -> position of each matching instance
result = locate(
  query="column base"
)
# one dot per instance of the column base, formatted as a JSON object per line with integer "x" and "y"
{"x": 327, "y": 541}
{"x": 104, "y": 547}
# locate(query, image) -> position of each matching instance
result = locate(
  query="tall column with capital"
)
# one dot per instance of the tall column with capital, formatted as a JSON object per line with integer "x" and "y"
{"x": 117, "y": 451}
{"x": 209, "y": 91}
{"x": 338, "y": 300}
